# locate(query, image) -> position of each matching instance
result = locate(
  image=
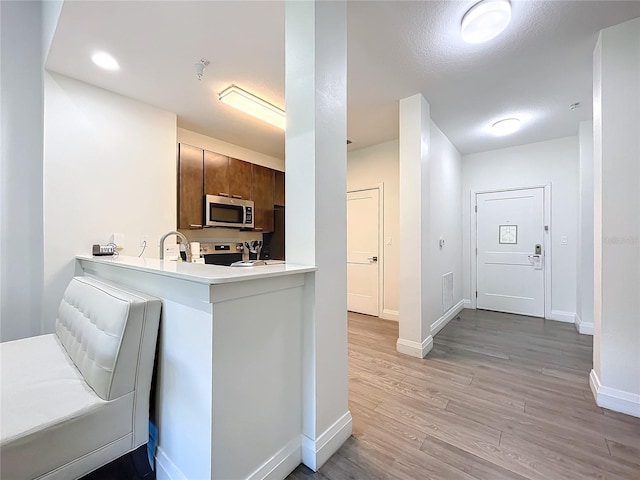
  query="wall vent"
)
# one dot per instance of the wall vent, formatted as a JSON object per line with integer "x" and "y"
{"x": 447, "y": 292}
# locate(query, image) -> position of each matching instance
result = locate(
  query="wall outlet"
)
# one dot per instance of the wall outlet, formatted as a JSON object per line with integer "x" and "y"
{"x": 118, "y": 240}
{"x": 144, "y": 241}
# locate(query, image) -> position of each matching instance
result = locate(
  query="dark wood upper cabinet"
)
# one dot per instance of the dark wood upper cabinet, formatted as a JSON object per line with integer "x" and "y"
{"x": 263, "y": 197}
{"x": 239, "y": 179}
{"x": 190, "y": 186}
{"x": 216, "y": 174}
{"x": 278, "y": 188}
{"x": 203, "y": 173}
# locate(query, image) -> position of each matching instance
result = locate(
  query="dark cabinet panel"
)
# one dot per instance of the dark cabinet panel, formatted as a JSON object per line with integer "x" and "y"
{"x": 239, "y": 179}
{"x": 190, "y": 186}
{"x": 216, "y": 174}
{"x": 262, "y": 191}
{"x": 278, "y": 188}
{"x": 207, "y": 173}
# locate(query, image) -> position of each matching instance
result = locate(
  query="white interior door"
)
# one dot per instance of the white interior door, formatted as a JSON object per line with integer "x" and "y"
{"x": 510, "y": 268}
{"x": 362, "y": 251}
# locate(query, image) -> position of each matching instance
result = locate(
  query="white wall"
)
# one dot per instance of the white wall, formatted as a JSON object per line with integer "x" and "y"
{"x": 584, "y": 292}
{"x": 616, "y": 120}
{"x": 369, "y": 167}
{"x": 445, "y": 213}
{"x": 229, "y": 149}
{"x": 109, "y": 167}
{"x": 535, "y": 164}
{"x": 21, "y": 260}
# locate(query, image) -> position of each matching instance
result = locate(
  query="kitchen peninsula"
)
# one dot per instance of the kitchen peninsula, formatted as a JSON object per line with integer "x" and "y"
{"x": 229, "y": 368}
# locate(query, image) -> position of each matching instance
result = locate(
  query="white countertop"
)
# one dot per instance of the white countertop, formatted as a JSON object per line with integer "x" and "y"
{"x": 195, "y": 272}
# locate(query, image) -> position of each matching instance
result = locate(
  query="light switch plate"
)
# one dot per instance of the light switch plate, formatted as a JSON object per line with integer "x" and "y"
{"x": 564, "y": 240}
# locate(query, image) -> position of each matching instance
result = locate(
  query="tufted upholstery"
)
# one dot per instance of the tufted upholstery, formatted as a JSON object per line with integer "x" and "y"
{"x": 91, "y": 322}
{"x": 76, "y": 399}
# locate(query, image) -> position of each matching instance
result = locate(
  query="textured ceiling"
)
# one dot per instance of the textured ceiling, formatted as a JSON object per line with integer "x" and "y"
{"x": 538, "y": 67}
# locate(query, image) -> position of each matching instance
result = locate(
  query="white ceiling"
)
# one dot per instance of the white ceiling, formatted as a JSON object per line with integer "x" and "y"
{"x": 538, "y": 67}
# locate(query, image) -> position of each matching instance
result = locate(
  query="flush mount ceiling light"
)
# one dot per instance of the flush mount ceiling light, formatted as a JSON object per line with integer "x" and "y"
{"x": 485, "y": 20}
{"x": 505, "y": 127}
{"x": 255, "y": 106}
{"x": 105, "y": 60}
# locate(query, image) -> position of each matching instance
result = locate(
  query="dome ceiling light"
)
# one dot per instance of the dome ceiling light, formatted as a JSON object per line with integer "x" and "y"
{"x": 105, "y": 60}
{"x": 505, "y": 127}
{"x": 485, "y": 20}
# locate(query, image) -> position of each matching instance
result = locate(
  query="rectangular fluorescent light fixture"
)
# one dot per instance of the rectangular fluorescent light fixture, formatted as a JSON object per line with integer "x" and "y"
{"x": 255, "y": 106}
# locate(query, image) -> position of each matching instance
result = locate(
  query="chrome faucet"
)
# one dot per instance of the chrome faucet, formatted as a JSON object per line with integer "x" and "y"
{"x": 182, "y": 238}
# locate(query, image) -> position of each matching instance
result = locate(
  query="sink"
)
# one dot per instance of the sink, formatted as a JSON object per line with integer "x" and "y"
{"x": 248, "y": 263}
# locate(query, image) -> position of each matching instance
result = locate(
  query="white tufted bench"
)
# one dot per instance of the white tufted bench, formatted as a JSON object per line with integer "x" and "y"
{"x": 77, "y": 399}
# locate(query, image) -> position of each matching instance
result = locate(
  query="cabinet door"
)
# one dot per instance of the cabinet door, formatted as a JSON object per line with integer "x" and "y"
{"x": 216, "y": 174}
{"x": 263, "y": 197}
{"x": 190, "y": 186}
{"x": 278, "y": 188}
{"x": 239, "y": 179}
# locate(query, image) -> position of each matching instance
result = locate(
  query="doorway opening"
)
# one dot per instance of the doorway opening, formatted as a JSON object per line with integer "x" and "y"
{"x": 364, "y": 262}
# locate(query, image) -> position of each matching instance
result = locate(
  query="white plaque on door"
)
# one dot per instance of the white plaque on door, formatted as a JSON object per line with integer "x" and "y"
{"x": 508, "y": 234}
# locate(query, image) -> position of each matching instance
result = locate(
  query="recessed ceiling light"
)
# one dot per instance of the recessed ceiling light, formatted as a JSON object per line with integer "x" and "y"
{"x": 485, "y": 20}
{"x": 105, "y": 60}
{"x": 505, "y": 127}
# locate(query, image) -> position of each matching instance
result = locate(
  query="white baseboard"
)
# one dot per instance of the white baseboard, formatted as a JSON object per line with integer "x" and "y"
{"x": 583, "y": 327}
{"x": 390, "y": 315}
{"x": 467, "y": 303}
{"x": 277, "y": 467}
{"x": 282, "y": 463}
{"x": 316, "y": 453}
{"x": 613, "y": 399}
{"x": 166, "y": 469}
{"x": 561, "y": 316}
{"x": 415, "y": 349}
{"x": 447, "y": 317}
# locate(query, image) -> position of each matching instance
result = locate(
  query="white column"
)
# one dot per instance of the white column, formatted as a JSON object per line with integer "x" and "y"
{"x": 21, "y": 170}
{"x": 315, "y": 164}
{"x": 415, "y": 122}
{"x": 584, "y": 294}
{"x": 615, "y": 378}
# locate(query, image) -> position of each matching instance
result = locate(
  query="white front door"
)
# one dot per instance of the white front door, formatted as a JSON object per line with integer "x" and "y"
{"x": 362, "y": 251}
{"x": 510, "y": 251}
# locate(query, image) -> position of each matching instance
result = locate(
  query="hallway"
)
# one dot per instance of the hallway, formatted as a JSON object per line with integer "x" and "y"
{"x": 499, "y": 397}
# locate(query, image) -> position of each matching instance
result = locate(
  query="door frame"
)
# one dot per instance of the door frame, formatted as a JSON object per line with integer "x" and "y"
{"x": 473, "y": 226}
{"x": 380, "y": 188}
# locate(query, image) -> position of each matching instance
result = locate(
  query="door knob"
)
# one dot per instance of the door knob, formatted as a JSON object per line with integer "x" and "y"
{"x": 373, "y": 259}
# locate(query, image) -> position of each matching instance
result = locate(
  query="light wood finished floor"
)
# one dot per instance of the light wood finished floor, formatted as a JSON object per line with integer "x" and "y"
{"x": 499, "y": 397}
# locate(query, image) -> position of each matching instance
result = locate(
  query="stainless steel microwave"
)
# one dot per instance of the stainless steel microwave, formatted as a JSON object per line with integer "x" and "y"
{"x": 228, "y": 212}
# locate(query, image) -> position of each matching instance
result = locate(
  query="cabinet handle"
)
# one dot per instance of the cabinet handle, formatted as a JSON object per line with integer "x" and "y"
{"x": 223, "y": 194}
{"x": 193, "y": 225}
{"x": 236, "y": 196}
